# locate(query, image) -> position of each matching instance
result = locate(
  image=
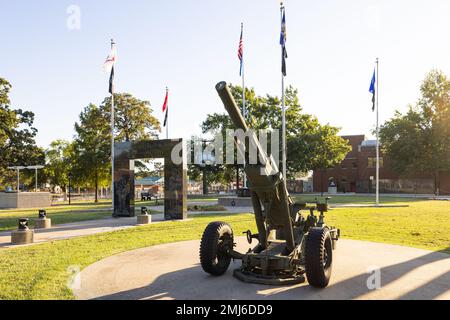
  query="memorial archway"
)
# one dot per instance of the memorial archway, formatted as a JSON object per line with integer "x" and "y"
{"x": 175, "y": 176}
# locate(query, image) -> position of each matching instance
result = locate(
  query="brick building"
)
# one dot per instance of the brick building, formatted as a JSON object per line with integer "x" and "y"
{"x": 358, "y": 170}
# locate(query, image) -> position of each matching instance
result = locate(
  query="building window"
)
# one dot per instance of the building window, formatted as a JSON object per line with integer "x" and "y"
{"x": 372, "y": 162}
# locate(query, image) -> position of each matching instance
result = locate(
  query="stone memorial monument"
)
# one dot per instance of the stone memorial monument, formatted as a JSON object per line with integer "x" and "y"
{"x": 175, "y": 176}
{"x": 43, "y": 222}
{"x": 144, "y": 217}
{"x": 23, "y": 235}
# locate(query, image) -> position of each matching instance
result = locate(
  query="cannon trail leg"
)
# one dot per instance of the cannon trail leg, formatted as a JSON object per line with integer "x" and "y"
{"x": 259, "y": 220}
{"x": 287, "y": 230}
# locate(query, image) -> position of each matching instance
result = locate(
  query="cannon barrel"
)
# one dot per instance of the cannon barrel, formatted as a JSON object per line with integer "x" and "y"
{"x": 269, "y": 190}
{"x": 230, "y": 105}
{"x": 265, "y": 163}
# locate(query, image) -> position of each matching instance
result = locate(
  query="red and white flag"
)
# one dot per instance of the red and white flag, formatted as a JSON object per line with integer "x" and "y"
{"x": 110, "y": 60}
{"x": 166, "y": 102}
{"x": 165, "y": 107}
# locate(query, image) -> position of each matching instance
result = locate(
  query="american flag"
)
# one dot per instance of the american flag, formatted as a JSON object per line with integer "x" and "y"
{"x": 241, "y": 49}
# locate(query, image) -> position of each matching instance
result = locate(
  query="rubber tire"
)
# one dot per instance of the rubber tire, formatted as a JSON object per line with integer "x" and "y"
{"x": 319, "y": 240}
{"x": 209, "y": 251}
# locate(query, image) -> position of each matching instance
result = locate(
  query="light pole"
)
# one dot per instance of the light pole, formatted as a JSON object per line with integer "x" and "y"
{"x": 70, "y": 182}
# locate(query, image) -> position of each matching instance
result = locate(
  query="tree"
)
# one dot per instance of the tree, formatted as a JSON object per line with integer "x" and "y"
{"x": 92, "y": 148}
{"x": 60, "y": 157}
{"x": 154, "y": 169}
{"x": 309, "y": 143}
{"x": 418, "y": 141}
{"x": 17, "y": 136}
{"x": 325, "y": 149}
{"x": 133, "y": 121}
{"x": 133, "y": 118}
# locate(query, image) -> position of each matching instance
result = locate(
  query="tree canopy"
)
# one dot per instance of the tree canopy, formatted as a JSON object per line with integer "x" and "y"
{"x": 60, "y": 158}
{"x": 133, "y": 118}
{"x": 17, "y": 136}
{"x": 93, "y": 147}
{"x": 88, "y": 158}
{"x": 418, "y": 141}
{"x": 310, "y": 144}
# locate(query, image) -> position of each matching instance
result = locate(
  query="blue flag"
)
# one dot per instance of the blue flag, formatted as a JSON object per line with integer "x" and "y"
{"x": 372, "y": 89}
{"x": 283, "y": 37}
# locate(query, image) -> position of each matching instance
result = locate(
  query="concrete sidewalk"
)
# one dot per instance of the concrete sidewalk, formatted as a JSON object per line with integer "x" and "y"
{"x": 172, "y": 271}
{"x": 78, "y": 229}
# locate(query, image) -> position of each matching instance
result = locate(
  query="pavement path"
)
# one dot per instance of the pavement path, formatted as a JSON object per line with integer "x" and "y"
{"x": 72, "y": 230}
{"x": 172, "y": 271}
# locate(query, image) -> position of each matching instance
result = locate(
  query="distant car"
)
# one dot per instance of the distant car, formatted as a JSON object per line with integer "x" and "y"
{"x": 244, "y": 193}
{"x": 148, "y": 196}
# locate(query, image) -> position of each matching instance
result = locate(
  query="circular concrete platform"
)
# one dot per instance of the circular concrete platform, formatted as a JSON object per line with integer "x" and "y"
{"x": 172, "y": 271}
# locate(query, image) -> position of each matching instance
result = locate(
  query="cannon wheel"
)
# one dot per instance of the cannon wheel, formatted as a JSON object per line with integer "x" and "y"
{"x": 213, "y": 258}
{"x": 319, "y": 257}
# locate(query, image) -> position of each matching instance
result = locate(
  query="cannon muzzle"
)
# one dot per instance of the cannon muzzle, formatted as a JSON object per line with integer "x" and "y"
{"x": 230, "y": 105}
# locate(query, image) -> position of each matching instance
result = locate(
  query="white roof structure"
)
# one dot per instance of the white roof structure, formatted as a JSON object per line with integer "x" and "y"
{"x": 369, "y": 144}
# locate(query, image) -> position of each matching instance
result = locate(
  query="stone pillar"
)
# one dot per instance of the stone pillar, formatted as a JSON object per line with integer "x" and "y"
{"x": 43, "y": 223}
{"x": 23, "y": 235}
{"x": 175, "y": 176}
{"x": 175, "y": 190}
{"x": 144, "y": 219}
{"x": 123, "y": 181}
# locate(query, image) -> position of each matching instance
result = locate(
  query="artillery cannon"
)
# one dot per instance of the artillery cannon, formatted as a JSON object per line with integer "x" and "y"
{"x": 290, "y": 245}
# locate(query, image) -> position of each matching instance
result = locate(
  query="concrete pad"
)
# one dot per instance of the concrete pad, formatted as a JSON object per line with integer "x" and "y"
{"x": 172, "y": 271}
{"x": 45, "y": 223}
{"x": 144, "y": 219}
{"x": 19, "y": 237}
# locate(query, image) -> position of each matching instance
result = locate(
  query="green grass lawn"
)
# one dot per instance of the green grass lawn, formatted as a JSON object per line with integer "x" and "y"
{"x": 40, "y": 271}
{"x": 335, "y": 199}
{"x": 424, "y": 224}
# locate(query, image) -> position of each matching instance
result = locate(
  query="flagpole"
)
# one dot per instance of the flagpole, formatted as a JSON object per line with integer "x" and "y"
{"x": 378, "y": 141}
{"x": 244, "y": 107}
{"x": 283, "y": 106}
{"x": 167, "y": 122}
{"x": 112, "y": 139}
{"x": 283, "y": 103}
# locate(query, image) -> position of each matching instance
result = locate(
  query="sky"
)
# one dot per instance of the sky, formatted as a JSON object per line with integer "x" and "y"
{"x": 189, "y": 46}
